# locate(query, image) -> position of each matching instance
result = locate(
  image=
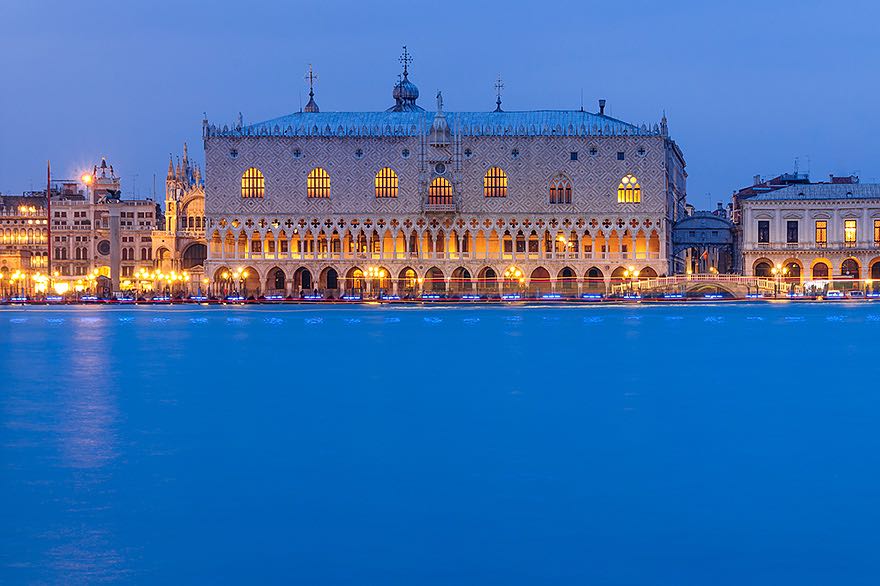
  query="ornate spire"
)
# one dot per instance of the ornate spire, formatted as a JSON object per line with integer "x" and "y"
{"x": 406, "y": 59}
{"x": 170, "y": 166}
{"x": 405, "y": 92}
{"x": 664, "y": 127}
{"x": 499, "y": 85}
{"x": 311, "y": 77}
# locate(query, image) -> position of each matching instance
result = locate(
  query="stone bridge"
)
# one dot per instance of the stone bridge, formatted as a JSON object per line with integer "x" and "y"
{"x": 735, "y": 285}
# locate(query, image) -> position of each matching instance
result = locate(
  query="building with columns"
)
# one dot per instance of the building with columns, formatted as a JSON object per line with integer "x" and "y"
{"x": 407, "y": 201}
{"x": 817, "y": 232}
{"x": 94, "y": 231}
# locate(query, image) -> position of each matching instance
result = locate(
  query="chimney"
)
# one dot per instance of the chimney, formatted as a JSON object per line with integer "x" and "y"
{"x": 602, "y": 107}
{"x": 757, "y": 179}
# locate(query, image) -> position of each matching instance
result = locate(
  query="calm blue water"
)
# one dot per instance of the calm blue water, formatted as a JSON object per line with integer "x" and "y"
{"x": 685, "y": 445}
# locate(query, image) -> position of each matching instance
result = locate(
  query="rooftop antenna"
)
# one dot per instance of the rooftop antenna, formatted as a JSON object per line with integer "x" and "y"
{"x": 796, "y": 165}
{"x": 499, "y": 85}
{"x": 154, "y": 187}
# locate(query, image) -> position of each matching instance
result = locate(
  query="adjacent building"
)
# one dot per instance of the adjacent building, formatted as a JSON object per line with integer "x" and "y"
{"x": 406, "y": 201}
{"x": 179, "y": 243}
{"x": 813, "y": 232}
{"x": 94, "y": 232}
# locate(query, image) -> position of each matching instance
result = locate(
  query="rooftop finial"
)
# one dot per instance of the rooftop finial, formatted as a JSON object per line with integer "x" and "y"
{"x": 499, "y": 85}
{"x": 311, "y": 77}
{"x": 439, "y": 102}
{"x": 405, "y": 92}
{"x": 406, "y": 59}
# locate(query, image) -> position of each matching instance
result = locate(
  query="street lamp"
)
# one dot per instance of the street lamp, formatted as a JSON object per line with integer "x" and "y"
{"x": 376, "y": 274}
{"x": 514, "y": 274}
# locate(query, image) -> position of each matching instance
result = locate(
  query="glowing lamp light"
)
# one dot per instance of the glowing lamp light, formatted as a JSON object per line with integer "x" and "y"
{"x": 86, "y": 178}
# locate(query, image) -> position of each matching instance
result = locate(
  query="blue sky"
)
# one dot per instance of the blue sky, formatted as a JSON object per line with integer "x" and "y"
{"x": 748, "y": 87}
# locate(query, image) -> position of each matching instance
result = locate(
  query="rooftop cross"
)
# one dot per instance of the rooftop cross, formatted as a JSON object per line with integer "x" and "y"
{"x": 406, "y": 59}
{"x": 499, "y": 85}
{"x": 311, "y": 77}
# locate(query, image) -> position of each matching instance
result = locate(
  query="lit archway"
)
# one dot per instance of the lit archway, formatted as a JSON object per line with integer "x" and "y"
{"x": 539, "y": 281}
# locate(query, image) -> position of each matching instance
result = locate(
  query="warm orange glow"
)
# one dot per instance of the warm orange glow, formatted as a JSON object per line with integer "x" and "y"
{"x": 318, "y": 183}
{"x": 849, "y": 232}
{"x": 629, "y": 190}
{"x": 86, "y": 178}
{"x": 495, "y": 182}
{"x": 440, "y": 191}
{"x": 253, "y": 183}
{"x": 386, "y": 183}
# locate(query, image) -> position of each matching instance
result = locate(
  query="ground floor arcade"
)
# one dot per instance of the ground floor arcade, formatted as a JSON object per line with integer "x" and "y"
{"x": 842, "y": 269}
{"x": 334, "y": 280}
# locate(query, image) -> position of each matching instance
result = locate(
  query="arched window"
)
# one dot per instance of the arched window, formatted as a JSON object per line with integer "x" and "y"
{"x": 560, "y": 190}
{"x": 495, "y": 182}
{"x": 318, "y": 183}
{"x": 253, "y": 184}
{"x": 440, "y": 191}
{"x": 629, "y": 190}
{"x": 850, "y": 268}
{"x": 763, "y": 269}
{"x": 386, "y": 183}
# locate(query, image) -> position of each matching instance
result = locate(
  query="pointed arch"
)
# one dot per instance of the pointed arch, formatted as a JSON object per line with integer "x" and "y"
{"x": 629, "y": 190}
{"x": 560, "y": 189}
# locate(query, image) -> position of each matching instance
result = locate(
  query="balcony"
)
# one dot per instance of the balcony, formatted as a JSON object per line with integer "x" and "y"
{"x": 440, "y": 207}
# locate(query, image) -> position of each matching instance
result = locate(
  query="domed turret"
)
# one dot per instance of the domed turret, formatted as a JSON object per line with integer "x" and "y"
{"x": 405, "y": 92}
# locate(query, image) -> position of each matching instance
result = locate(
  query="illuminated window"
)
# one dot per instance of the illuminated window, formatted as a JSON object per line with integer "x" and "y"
{"x": 876, "y": 232}
{"x": 253, "y": 184}
{"x": 440, "y": 191}
{"x": 849, "y": 233}
{"x": 318, "y": 183}
{"x": 495, "y": 182}
{"x": 629, "y": 190}
{"x": 560, "y": 190}
{"x": 821, "y": 233}
{"x": 386, "y": 183}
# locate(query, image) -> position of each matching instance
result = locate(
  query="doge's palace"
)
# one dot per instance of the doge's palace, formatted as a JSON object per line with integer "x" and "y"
{"x": 407, "y": 202}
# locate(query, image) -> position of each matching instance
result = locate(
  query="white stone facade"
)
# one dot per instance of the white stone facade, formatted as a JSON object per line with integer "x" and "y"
{"x": 814, "y": 232}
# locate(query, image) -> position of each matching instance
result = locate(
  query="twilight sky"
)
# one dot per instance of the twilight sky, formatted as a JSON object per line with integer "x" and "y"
{"x": 748, "y": 86}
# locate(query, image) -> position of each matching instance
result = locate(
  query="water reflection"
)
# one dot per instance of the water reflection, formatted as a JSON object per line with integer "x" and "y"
{"x": 86, "y": 437}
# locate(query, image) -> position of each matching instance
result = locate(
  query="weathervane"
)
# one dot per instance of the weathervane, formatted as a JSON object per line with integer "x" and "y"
{"x": 499, "y": 85}
{"x": 406, "y": 59}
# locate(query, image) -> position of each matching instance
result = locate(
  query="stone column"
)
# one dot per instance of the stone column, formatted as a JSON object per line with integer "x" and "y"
{"x": 115, "y": 246}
